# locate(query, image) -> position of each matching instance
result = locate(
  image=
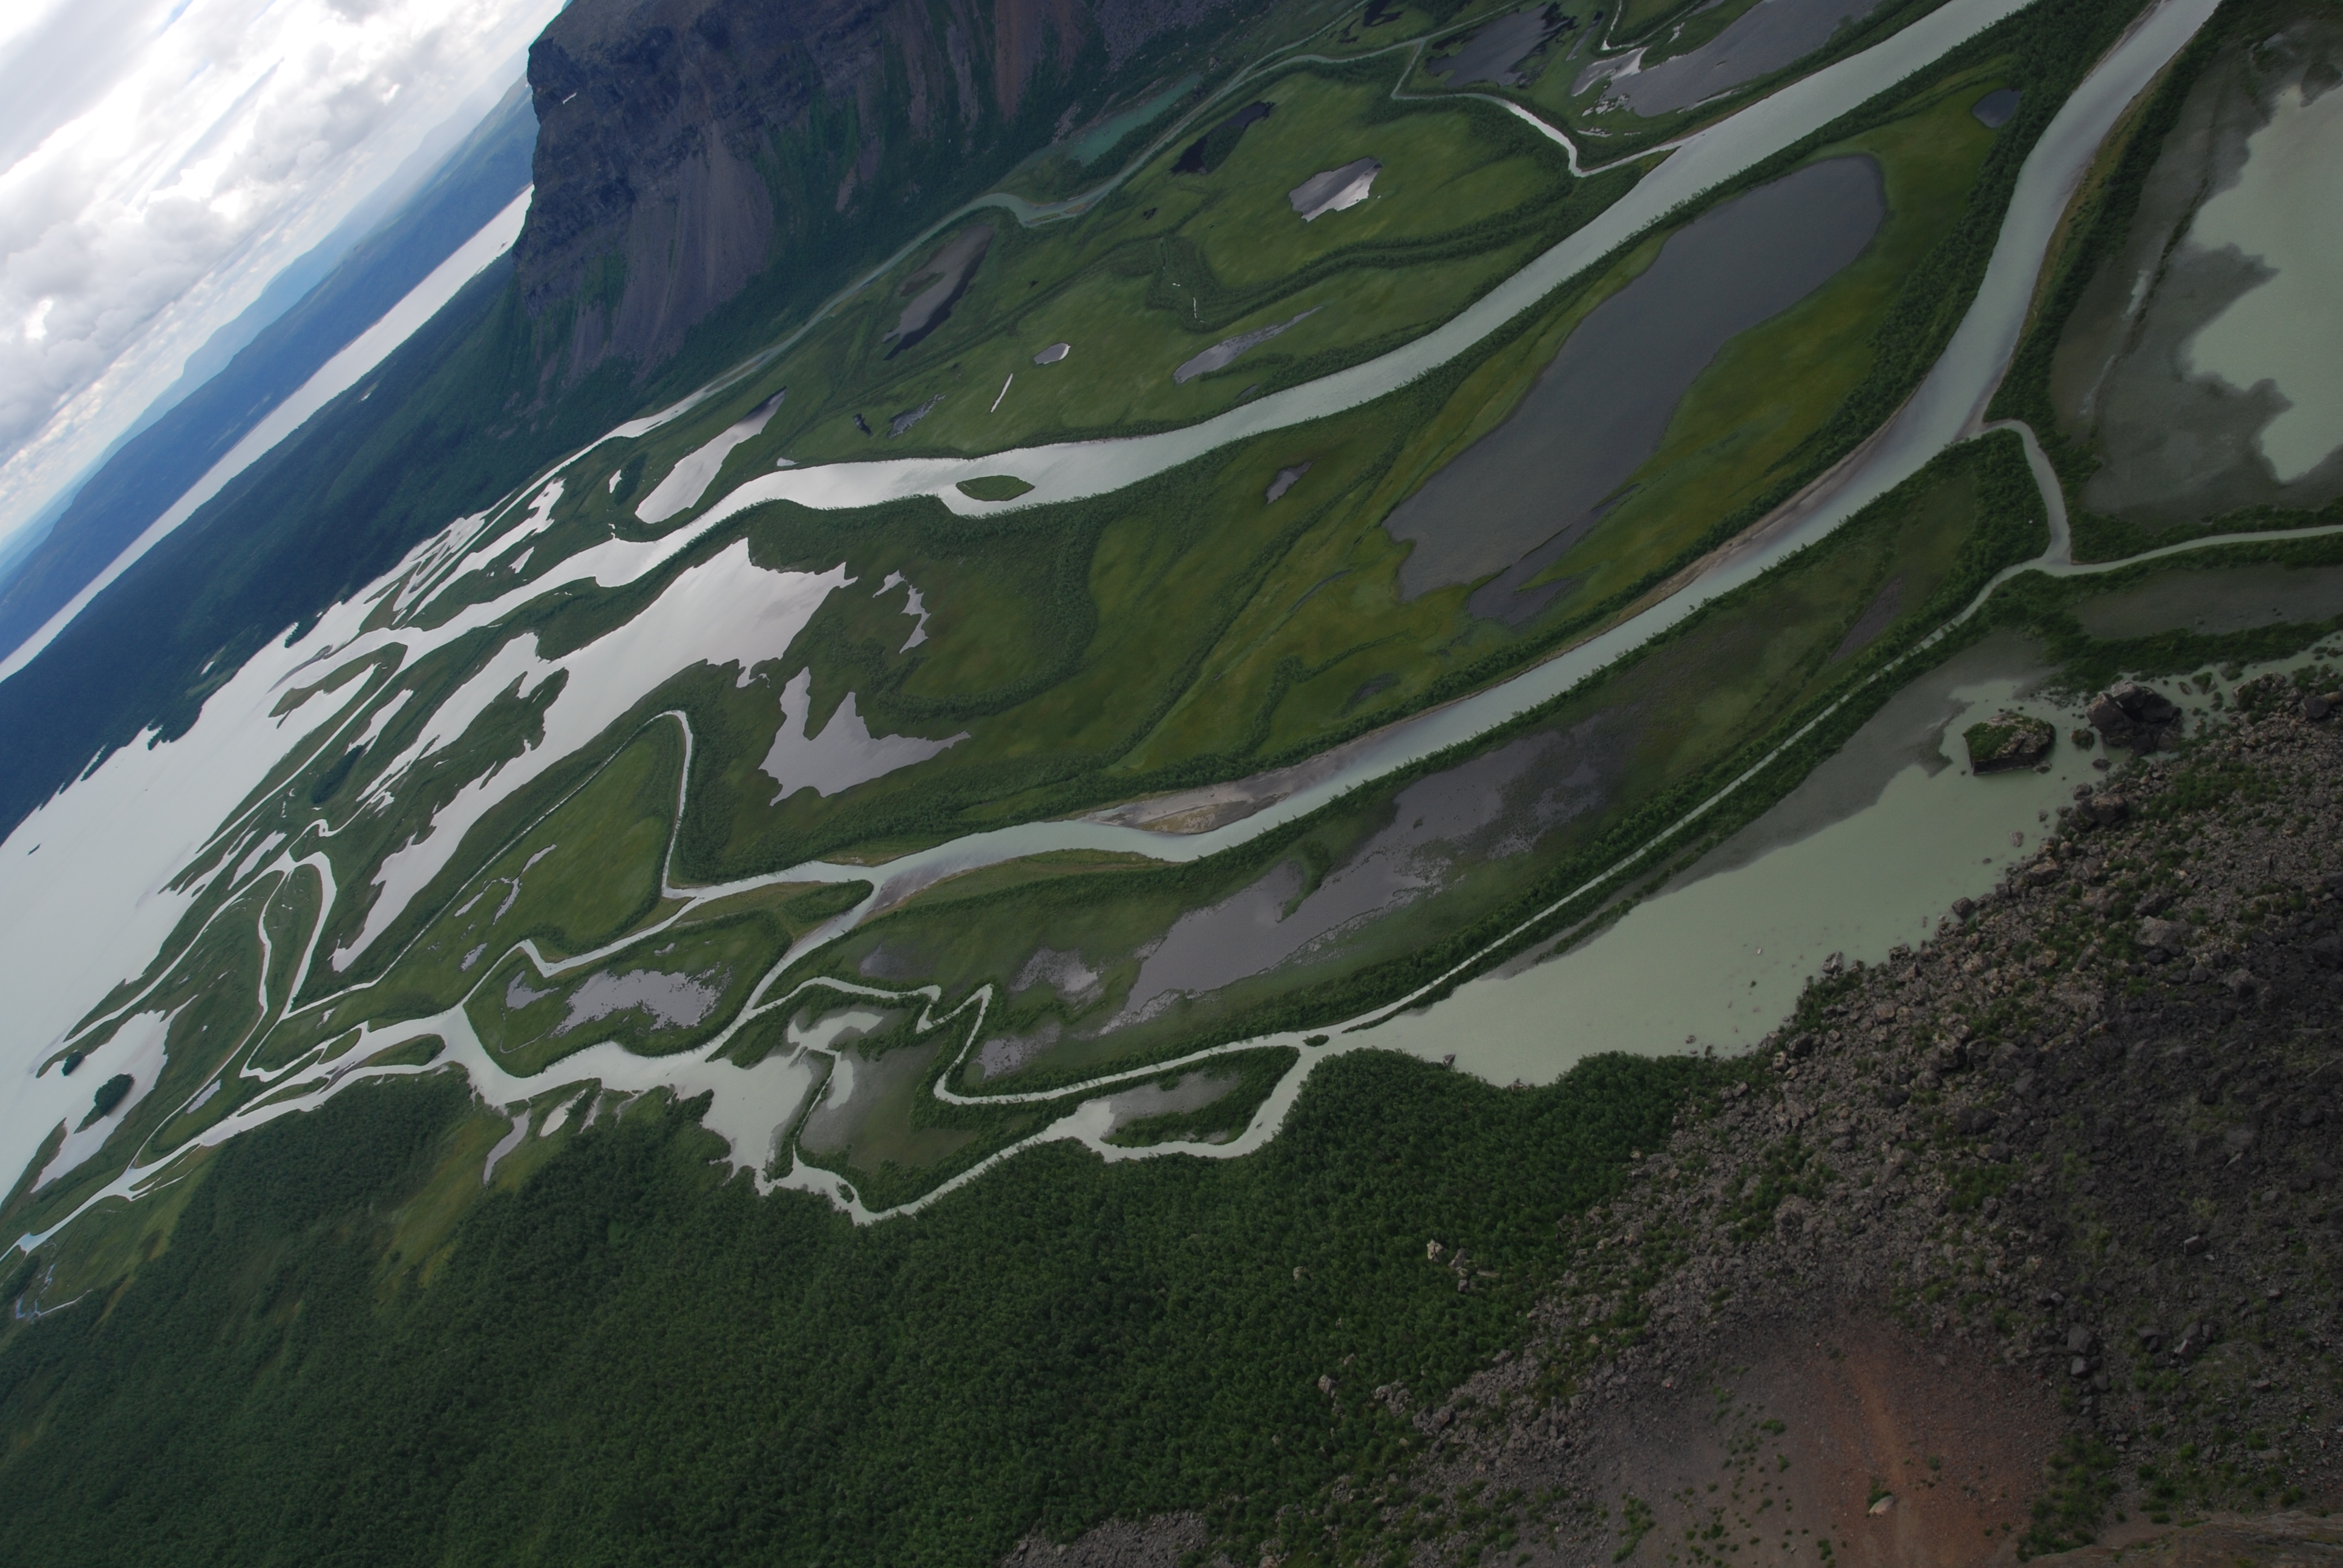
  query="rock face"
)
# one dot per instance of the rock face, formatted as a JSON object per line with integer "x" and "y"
{"x": 2009, "y": 740}
{"x": 686, "y": 147}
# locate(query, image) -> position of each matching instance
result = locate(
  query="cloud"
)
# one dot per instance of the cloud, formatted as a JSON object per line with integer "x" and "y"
{"x": 161, "y": 159}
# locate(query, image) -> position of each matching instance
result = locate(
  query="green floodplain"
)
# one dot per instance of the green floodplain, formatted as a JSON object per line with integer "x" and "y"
{"x": 375, "y": 1355}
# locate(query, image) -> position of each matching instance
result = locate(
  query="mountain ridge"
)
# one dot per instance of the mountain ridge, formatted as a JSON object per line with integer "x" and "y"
{"x": 686, "y": 147}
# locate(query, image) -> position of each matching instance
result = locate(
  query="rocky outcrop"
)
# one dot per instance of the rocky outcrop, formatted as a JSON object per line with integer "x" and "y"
{"x": 686, "y": 147}
{"x": 2007, "y": 741}
{"x": 2130, "y": 714}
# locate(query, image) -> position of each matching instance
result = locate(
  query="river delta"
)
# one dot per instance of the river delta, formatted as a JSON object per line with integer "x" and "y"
{"x": 725, "y": 609}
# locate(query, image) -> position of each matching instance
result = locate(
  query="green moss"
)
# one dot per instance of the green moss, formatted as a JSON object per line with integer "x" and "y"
{"x": 2007, "y": 740}
{"x": 2079, "y": 1481}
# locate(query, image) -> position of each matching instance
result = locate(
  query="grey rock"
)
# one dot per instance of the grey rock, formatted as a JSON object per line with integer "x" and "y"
{"x": 2143, "y": 704}
{"x": 2130, "y": 714}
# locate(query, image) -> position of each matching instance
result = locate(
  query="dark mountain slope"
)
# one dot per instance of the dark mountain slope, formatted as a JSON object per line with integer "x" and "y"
{"x": 690, "y": 146}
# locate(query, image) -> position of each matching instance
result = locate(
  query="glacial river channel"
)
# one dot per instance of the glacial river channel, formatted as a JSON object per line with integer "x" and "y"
{"x": 1600, "y": 984}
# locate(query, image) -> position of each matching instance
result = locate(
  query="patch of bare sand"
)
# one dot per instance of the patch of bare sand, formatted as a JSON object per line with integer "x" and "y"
{"x": 1815, "y": 1429}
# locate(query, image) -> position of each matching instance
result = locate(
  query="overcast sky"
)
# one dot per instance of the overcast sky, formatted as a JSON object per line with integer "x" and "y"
{"x": 161, "y": 159}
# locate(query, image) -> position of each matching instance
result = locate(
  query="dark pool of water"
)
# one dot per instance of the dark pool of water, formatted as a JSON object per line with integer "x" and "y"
{"x": 2215, "y": 601}
{"x": 1491, "y": 53}
{"x": 1538, "y": 482}
{"x": 947, "y": 278}
{"x": 1993, "y": 110}
{"x": 1763, "y": 39}
{"x": 1210, "y": 150}
{"x": 1488, "y": 807}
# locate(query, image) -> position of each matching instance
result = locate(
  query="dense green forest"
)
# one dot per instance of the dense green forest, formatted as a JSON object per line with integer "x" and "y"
{"x": 631, "y": 1358}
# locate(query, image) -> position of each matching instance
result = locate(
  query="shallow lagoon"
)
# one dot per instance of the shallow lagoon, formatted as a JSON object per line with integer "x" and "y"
{"x": 1491, "y": 53}
{"x": 2215, "y": 601}
{"x": 2287, "y": 210}
{"x": 1869, "y": 852}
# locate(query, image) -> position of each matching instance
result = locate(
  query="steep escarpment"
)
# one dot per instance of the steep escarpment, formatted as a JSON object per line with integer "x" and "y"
{"x": 688, "y": 147}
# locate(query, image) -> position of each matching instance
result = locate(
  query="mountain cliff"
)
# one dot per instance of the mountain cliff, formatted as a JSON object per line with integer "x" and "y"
{"x": 687, "y": 147}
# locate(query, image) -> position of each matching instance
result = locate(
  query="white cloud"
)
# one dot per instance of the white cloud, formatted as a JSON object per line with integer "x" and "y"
{"x": 161, "y": 159}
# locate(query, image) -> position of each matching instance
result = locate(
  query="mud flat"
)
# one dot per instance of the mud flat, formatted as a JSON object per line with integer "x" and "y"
{"x": 670, "y": 1000}
{"x": 1491, "y": 53}
{"x": 1491, "y": 807}
{"x": 1193, "y": 1092}
{"x": 1543, "y": 480}
{"x": 1334, "y": 190}
{"x": 1765, "y": 38}
{"x": 951, "y": 268}
{"x": 1221, "y": 354}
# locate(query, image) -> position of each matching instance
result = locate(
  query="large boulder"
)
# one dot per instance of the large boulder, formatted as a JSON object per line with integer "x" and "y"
{"x": 2009, "y": 740}
{"x": 2140, "y": 717}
